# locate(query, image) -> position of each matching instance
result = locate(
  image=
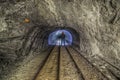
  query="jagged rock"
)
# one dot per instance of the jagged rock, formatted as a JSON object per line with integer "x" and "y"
{"x": 97, "y": 22}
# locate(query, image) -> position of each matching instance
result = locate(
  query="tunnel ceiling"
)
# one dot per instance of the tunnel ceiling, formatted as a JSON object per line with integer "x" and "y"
{"x": 26, "y": 23}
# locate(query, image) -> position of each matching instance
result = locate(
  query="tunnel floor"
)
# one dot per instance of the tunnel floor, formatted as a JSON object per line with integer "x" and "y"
{"x": 61, "y": 63}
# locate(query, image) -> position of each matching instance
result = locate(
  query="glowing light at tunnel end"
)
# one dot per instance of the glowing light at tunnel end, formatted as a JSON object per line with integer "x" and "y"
{"x": 54, "y": 40}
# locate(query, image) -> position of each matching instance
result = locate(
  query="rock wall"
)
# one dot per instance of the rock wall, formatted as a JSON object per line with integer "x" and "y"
{"x": 97, "y": 21}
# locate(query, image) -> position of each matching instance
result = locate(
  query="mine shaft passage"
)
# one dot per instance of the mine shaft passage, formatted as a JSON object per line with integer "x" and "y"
{"x": 60, "y": 37}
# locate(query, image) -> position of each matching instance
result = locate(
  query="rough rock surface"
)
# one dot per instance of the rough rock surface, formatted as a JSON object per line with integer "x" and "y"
{"x": 97, "y": 21}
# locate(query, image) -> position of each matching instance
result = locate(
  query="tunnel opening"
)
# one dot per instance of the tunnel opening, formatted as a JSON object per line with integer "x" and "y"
{"x": 60, "y": 38}
{"x": 63, "y": 36}
{"x": 40, "y": 38}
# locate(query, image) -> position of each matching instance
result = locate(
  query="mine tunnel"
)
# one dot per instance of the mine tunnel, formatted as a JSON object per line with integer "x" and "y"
{"x": 59, "y": 40}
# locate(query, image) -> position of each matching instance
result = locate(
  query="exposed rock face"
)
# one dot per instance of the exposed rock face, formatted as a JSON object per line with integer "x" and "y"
{"x": 97, "y": 21}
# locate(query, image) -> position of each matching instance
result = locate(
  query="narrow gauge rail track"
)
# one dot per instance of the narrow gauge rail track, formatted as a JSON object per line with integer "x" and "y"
{"x": 68, "y": 67}
{"x": 65, "y": 63}
{"x": 89, "y": 71}
{"x": 48, "y": 69}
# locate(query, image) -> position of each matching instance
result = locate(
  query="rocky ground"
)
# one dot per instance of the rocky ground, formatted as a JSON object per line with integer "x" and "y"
{"x": 27, "y": 68}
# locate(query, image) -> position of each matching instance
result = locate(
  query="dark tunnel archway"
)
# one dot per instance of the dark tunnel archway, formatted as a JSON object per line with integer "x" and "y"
{"x": 37, "y": 38}
{"x": 60, "y": 37}
{"x": 75, "y": 36}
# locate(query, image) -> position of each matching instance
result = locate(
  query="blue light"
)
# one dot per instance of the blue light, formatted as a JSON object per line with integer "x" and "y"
{"x": 56, "y": 39}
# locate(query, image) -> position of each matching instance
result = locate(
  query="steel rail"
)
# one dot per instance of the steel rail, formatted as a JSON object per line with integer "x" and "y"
{"x": 79, "y": 71}
{"x": 42, "y": 64}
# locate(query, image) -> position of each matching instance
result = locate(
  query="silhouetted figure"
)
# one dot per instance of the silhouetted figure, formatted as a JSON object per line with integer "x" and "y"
{"x": 61, "y": 36}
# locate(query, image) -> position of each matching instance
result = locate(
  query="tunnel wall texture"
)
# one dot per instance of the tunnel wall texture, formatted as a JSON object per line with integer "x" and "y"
{"x": 96, "y": 21}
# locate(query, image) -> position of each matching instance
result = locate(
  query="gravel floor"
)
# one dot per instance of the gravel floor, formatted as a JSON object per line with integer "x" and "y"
{"x": 27, "y": 69}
